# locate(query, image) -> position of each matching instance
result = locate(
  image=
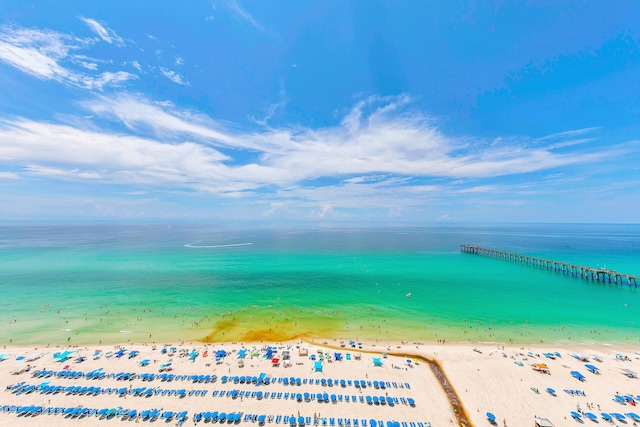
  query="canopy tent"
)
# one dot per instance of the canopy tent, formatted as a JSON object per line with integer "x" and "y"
{"x": 593, "y": 369}
{"x": 242, "y": 353}
{"x": 61, "y": 357}
{"x": 543, "y": 422}
{"x": 377, "y": 361}
{"x": 317, "y": 366}
{"x": 629, "y": 373}
{"x": 540, "y": 367}
{"x": 275, "y": 361}
{"x": 577, "y": 375}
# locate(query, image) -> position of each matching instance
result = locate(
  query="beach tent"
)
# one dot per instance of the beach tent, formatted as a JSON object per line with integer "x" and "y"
{"x": 242, "y": 353}
{"x": 337, "y": 356}
{"x": 629, "y": 373}
{"x": 577, "y": 375}
{"x": 541, "y": 367}
{"x": 591, "y": 368}
{"x": 317, "y": 366}
{"x": 377, "y": 361}
{"x": 543, "y": 422}
{"x": 61, "y": 357}
{"x": 275, "y": 361}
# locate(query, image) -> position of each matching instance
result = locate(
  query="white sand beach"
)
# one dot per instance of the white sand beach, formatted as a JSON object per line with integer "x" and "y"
{"x": 485, "y": 377}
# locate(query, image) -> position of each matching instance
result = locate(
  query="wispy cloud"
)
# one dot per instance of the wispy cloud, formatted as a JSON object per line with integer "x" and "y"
{"x": 235, "y": 7}
{"x": 381, "y": 156}
{"x": 106, "y": 34}
{"x": 173, "y": 76}
{"x": 42, "y": 53}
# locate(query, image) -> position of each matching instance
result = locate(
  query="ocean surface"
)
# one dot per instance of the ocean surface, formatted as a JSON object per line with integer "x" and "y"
{"x": 108, "y": 283}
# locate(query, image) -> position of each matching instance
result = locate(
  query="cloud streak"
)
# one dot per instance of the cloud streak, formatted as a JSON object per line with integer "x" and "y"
{"x": 43, "y": 54}
{"x": 382, "y": 158}
{"x": 235, "y": 7}
{"x": 106, "y": 34}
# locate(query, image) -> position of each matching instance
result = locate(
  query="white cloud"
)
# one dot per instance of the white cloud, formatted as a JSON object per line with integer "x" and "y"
{"x": 386, "y": 140}
{"x": 136, "y": 65}
{"x": 385, "y": 158}
{"x": 106, "y": 34}
{"x": 36, "y": 52}
{"x": 89, "y": 65}
{"x": 41, "y": 54}
{"x": 107, "y": 79}
{"x": 9, "y": 175}
{"x": 179, "y": 61}
{"x": 173, "y": 76}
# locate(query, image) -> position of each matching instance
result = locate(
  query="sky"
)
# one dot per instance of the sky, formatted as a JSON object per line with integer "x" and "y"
{"x": 320, "y": 111}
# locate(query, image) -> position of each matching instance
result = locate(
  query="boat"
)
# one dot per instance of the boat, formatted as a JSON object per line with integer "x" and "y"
{"x": 408, "y": 295}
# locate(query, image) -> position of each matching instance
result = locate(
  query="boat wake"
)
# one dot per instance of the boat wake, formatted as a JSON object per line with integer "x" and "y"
{"x": 195, "y": 245}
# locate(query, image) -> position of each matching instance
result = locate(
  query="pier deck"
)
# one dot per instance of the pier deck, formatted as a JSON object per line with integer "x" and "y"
{"x": 588, "y": 273}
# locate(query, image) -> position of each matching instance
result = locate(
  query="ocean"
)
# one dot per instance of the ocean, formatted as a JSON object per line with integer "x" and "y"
{"x": 116, "y": 283}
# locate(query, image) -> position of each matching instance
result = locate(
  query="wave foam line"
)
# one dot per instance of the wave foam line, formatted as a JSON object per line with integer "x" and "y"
{"x": 229, "y": 245}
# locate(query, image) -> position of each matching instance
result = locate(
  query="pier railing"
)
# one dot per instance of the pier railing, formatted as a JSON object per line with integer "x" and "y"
{"x": 588, "y": 273}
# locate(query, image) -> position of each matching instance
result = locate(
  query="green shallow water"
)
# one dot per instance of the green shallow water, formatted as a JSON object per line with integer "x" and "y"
{"x": 115, "y": 283}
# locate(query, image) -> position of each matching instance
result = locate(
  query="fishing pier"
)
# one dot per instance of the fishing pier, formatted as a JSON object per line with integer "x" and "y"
{"x": 587, "y": 273}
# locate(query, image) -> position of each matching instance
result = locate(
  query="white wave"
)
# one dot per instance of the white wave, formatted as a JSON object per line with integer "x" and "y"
{"x": 229, "y": 245}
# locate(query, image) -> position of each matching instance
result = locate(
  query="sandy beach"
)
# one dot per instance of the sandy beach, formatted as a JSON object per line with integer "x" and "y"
{"x": 484, "y": 378}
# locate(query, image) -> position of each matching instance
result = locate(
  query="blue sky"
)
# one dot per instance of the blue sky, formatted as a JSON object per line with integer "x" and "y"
{"x": 361, "y": 111}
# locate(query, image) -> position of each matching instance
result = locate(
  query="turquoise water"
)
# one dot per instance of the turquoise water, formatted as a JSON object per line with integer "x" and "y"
{"x": 149, "y": 282}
